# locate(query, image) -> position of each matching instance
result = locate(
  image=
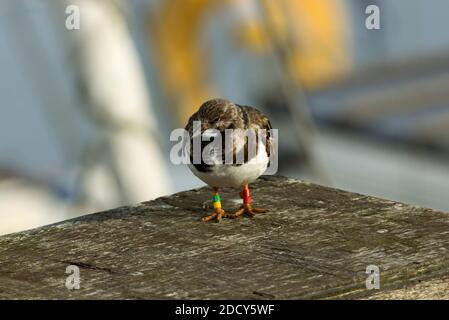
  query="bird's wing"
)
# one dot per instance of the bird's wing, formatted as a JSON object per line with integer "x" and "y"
{"x": 254, "y": 119}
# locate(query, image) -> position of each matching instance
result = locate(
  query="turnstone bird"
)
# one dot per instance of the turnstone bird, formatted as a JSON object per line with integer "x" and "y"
{"x": 213, "y": 167}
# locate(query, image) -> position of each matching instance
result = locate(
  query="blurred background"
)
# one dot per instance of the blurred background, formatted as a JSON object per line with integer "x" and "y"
{"x": 86, "y": 113}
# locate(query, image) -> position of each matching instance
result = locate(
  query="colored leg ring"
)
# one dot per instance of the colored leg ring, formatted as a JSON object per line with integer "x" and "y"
{"x": 216, "y": 201}
{"x": 246, "y": 196}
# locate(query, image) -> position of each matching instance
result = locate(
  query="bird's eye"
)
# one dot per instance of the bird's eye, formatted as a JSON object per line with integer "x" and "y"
{"x": 215, "y": 120}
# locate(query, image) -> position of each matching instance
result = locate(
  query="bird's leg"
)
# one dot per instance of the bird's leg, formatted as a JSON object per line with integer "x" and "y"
{"x": 218, "y": 211}
{"x": 246, "y": 207}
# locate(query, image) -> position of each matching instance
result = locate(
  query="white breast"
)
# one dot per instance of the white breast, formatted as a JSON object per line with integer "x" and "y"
{"x": 225, "y": 175}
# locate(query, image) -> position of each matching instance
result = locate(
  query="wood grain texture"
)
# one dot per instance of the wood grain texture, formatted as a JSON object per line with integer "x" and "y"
{"x": 315, "y": 242}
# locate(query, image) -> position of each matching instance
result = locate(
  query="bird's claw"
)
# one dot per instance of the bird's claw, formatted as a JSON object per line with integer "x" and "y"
{"x": 217, "y": 215}
{"x": 246, "y": 209}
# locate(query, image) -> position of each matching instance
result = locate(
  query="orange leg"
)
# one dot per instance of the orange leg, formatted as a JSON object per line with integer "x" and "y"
{"x": 246, "y": 207}
{"x": 218, "y": 213}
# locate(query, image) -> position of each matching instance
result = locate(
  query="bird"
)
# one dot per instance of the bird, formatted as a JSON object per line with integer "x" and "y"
{"x": 234, "y": 162}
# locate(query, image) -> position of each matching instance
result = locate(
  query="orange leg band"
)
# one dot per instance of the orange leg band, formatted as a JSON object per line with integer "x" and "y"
{"x": 246, "y": 195}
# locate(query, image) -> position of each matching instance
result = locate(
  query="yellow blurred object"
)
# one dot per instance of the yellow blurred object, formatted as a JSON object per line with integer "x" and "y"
{"x": 251, "y": 35}
{"x": 323, "y": 53}
{"x": 320, "y": 51}
{"x": 313, "y": 30}
{"x": 175, "y": 29}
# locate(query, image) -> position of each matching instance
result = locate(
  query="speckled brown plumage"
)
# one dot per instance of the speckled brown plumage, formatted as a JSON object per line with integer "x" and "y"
{"x": 222, "y": 114}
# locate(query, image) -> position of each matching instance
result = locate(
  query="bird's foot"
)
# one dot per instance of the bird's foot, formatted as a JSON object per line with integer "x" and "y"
{"x": 217, "y": 215}
{"x": 246, "y": 209}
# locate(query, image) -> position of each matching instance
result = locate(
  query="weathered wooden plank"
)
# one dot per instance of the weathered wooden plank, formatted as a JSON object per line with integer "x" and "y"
{"x": 432, "y": 289}
{"x": 315, "y": 242}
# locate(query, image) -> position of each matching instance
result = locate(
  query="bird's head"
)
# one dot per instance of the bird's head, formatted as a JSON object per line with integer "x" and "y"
{"x": 217, "y": 114}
